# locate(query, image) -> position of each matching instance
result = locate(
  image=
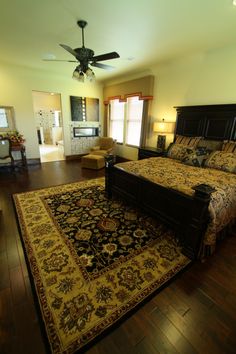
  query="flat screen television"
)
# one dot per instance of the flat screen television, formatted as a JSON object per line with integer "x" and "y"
{"x": 85, "y": 132}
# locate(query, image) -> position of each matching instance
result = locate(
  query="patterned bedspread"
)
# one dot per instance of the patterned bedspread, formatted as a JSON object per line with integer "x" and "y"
{"x": 173, "y": 174}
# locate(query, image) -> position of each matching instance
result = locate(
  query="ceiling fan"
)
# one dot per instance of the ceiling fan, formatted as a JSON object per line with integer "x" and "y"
{"x": 85, "y": 57}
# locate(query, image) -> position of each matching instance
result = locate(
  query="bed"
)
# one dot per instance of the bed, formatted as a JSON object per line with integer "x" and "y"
{"x": 197, "y": 202}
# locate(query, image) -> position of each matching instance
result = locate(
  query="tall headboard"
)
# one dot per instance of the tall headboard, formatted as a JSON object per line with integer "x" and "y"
{"x": 213, "y": 122}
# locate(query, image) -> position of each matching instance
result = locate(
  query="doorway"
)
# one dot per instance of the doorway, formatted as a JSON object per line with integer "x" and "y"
{"x": 49, "y": 125}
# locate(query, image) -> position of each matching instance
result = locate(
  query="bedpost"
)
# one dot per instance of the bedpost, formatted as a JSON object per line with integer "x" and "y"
{"x": 109, "y": 162}
{"x": 198, "y": 224}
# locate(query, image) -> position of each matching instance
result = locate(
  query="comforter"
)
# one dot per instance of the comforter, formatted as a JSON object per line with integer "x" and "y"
{"x": 173, "y": 174}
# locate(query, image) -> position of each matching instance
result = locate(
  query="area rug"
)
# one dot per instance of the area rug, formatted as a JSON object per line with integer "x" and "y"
{"x": 92, "y": 259}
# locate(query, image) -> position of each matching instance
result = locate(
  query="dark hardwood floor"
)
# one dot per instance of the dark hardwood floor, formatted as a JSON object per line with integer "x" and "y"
{"x": 195, "y": 313}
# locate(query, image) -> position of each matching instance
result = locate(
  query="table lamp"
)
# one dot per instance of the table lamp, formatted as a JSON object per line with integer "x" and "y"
{"x": 163, "y": 128}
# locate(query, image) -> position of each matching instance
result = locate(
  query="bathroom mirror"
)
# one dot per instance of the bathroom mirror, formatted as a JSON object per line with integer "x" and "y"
{"x": 7, "y": 121}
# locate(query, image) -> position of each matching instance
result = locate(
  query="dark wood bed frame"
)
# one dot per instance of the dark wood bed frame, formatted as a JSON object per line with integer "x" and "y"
{"x": 188, "y": 215}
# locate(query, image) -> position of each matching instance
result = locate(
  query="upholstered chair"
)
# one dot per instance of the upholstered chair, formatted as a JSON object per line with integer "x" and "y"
{"x": 5, "y": 151}
{"x": 105, "y": 146}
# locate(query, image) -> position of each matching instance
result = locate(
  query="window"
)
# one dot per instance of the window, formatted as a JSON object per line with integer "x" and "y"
{"x": 126, "y": 120}
{"x": 3, "y": 118}
{"x": 117, "y": 110}
{"x": 134, "y": 120}
{"x": 7, "y": 122}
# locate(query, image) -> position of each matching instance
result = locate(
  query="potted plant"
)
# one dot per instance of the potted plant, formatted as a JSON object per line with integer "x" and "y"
{"x": 16, "y": 138}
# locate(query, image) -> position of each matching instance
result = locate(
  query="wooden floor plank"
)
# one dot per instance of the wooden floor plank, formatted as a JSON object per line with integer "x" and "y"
{"x": 7, "y": 328}
{"x": 189, "y": 329}
{"x": 174, "y": 335}
{"x": 195, "y": 313}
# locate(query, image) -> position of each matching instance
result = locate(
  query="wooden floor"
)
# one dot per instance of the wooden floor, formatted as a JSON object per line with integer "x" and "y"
{"x": 195, "y": 313}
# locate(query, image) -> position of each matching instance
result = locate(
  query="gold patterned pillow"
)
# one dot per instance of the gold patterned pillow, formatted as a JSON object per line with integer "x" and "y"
{"x": 229, "y": 146}
{"x": 221, "y": 160}
{"x": 190, "y": 141}
{"x": 178, "y": 151}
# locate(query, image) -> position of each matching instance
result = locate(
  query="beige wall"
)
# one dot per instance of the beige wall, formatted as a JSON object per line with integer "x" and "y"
{"x": 16, "y": 86}
{"x": 201, "y": 78}
{"x": 46, "y": 101}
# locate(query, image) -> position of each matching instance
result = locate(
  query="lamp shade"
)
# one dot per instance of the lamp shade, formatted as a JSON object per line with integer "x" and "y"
{"x": 163, "y": 127}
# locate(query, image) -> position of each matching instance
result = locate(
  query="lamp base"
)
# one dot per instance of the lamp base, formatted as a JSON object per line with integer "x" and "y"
{"x": 161, "y": 142}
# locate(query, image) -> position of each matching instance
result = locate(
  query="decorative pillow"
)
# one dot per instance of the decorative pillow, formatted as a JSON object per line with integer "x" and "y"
{"x": 229, "y": 146}
{"x": 178, "y": 151}
{"x": 221, "y": 160}
{"x": 190, "y": 141}
{"x": 197, "y": 157}
{"x": 212, "y": 145}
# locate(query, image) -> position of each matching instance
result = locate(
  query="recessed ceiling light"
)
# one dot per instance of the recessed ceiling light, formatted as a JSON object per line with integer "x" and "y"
{"x": 49, "y": 56}
{"x": 234, "y": 2}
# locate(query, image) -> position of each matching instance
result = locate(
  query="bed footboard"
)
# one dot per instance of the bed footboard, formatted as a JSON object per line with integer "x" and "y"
{"x": 188, "y": 215}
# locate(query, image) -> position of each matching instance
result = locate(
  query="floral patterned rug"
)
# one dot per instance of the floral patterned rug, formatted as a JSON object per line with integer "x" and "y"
{"x": 92, "y": 259}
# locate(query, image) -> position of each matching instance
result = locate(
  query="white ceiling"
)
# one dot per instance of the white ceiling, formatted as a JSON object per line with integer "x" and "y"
{"x": 143, "y": 32}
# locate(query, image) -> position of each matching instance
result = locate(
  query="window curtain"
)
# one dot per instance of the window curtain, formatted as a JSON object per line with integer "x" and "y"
{"x": 106, "y": 126}
{"x": 145, "y": 128}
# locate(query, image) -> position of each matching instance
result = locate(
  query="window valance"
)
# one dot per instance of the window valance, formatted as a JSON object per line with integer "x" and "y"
{"x": 142, "y": 87}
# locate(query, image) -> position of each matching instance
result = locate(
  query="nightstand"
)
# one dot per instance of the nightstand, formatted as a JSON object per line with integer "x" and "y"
{"x": 145, "y": 152}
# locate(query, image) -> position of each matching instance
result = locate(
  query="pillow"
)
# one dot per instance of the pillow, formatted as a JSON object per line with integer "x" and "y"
{"x": 197, "y": 157}
{"x": 221, "y": 160}
{"x": 178, "y": 151}
{"x": 229, "y": 146}
{"x": 212, "y": 145}
{"x": 190, "y": 141}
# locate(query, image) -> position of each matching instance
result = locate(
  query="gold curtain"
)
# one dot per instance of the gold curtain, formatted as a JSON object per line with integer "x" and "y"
{"x": 145, "y": 128}
{"x": 106, "y": 126}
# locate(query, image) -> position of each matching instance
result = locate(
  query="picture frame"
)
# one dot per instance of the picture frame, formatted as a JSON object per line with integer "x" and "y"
{"x": 7, "y": 119}
{"x": 84, "y": 109}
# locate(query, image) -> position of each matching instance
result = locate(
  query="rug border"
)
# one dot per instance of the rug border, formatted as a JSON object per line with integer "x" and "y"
{"x": 130, "y": 312}
{"x": 107, "y": 330}
{"x": 40, "y": 317}
{"x": 42, "y": 325}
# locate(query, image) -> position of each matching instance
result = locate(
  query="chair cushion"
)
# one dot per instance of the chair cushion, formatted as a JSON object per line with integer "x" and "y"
{"x": 99, "y": 152}
{"x": 94, "y": 148}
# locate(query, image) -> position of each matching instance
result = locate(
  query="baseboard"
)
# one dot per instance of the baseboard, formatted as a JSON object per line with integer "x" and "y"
{"x": 74, "y": 157}
{"x": 33, "y": 161}
{"x": 78, "y": 157}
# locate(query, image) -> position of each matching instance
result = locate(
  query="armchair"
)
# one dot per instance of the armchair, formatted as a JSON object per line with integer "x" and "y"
{"x": 105, "y": 146}
{"x": 5, "y": 151}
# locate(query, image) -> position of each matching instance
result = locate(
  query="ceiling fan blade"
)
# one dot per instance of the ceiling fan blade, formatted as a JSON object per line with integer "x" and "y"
{"x": 106, "y": 56}
{"x": 69, "y": 61}
{"x": 102, "y": 66}
{"x": 69, "y": 49}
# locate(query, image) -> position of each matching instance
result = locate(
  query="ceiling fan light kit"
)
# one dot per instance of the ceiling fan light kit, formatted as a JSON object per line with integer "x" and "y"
{"x": 85, "y": 57}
